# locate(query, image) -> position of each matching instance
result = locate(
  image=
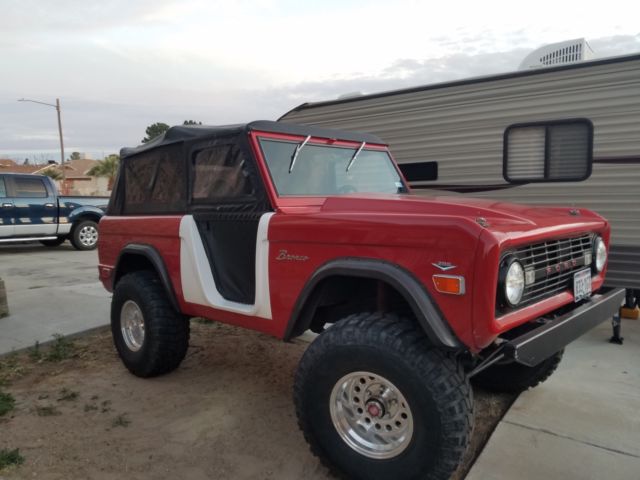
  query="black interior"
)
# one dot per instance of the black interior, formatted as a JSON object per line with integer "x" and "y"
{"x": 230, "y": 242}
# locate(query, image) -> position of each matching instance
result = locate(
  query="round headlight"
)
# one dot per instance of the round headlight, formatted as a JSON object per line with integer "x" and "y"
{"x": 514, "y": 283}
{"x": 600, "y": 254}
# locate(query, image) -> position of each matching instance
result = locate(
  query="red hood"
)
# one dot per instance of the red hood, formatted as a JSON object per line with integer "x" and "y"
{"x": 500, "y": 217}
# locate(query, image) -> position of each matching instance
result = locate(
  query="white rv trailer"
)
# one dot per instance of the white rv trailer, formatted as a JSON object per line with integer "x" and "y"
{"x": 459, "y": 127}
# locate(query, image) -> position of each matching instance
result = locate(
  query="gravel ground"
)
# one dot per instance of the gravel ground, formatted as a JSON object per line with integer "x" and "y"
{"x": 226, "y": 413}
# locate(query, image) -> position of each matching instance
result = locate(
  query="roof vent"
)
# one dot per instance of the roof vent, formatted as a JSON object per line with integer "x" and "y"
{"x": 562, "y": 53}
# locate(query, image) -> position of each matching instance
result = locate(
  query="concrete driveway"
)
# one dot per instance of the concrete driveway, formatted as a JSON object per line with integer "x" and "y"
{"x": 50, "y": 291}
{"x": 582, "y": 424}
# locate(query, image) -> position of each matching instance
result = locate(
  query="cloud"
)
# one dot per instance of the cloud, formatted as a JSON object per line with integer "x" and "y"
{"x": 120, "y": 65}
{"x": 615, "y": 45}
{"x": 34, "y": 17}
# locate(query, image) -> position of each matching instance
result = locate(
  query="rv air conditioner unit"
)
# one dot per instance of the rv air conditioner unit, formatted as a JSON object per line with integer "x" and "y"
{"x": 569, "y": 51}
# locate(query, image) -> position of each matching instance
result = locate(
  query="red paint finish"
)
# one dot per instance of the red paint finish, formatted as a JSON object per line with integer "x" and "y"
{"x": 411, "y": 232}
{"x": 160, "y": 232}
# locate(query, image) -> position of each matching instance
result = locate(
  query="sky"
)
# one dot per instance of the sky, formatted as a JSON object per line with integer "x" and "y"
{"x": 120, "y": 65}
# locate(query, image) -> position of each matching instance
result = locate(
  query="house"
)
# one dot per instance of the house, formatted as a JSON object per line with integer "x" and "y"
{"x": 76, "y": 181}
{"x": 9, "y": 166}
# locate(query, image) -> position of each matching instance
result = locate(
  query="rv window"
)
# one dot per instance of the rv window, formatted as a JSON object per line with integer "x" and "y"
{"x": 559, "y": 151}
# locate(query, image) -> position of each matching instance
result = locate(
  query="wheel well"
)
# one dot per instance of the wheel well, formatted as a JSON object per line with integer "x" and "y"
{"x": 338, "y": 296}
{"x": 132, "y": 262}
{"x": 135, "y": 258}
{"x": 85, "y": 216}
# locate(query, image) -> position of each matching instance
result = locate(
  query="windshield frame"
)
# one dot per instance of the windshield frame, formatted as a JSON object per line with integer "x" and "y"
{"x": 310, "y": 200}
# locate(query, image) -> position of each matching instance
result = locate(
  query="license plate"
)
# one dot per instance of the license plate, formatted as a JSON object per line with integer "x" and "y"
{"x": 582, "y": 284}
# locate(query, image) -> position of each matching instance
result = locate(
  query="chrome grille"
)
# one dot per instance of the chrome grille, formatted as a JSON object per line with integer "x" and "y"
{"x": 551, "y": 265}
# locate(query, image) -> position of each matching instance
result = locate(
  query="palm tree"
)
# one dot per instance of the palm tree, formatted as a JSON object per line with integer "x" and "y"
{"x": 52, "y": 172}
{"x": 106, "y": 168}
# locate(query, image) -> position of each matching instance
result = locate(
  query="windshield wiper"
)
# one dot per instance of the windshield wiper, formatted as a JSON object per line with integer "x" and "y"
{"x": 353, "y": 159}
{"x": 297, "y": 151}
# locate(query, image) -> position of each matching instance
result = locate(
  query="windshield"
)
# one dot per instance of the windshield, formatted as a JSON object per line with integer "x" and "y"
{"x": 322, "y": 170}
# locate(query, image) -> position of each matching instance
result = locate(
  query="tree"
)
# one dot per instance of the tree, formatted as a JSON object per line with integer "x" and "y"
{"x": 74, "y": 156}
{"x": 106, "y": 168}
{"x": 191, "y": 122}
{"x": 155, "y": 130}
{"x": 52, "y": 172}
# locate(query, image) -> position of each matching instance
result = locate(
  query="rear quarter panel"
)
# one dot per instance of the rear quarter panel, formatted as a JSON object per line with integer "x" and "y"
{"x": 160, "y": 232}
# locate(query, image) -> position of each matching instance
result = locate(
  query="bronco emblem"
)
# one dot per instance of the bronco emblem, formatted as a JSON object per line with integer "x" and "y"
{"x": 284, "y": 255}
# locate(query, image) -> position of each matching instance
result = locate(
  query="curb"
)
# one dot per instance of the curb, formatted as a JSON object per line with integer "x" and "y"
{"x": 71, "y": 336}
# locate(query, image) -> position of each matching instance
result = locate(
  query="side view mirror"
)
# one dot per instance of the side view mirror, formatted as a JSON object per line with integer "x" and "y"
{"x": 552, "y": 151}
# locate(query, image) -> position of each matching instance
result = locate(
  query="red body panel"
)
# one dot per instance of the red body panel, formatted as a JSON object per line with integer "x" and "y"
{"x": 412, "y": 232}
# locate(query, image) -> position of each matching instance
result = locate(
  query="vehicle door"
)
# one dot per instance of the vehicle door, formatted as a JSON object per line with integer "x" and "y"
{"x": 6, "y": 214}
{"x": 227, "y": 200}
{"x": 34, "y": 206}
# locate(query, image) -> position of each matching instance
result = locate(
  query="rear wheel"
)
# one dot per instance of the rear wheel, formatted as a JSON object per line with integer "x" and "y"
{"x": 513, "y": 377}
{"x": 150, "y": 336}
{"x": 375, "y": 402}
{"x": 84, "y": 235}
{"x": 53, "y": 243}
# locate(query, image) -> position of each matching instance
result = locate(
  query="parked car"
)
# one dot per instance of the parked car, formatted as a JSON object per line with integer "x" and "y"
{"x": 32, "y": 210}
{"x": 282, "y": 228}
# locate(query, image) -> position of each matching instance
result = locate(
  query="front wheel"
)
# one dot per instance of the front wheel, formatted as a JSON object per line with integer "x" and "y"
{"x": 150, "y": 336}
{"x": 374, "y": 401}
{"x": 84, "y": 235}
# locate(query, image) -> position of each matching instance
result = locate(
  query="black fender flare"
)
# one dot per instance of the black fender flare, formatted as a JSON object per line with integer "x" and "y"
{"x": 153, "y": 256}
{"x": 424, "y": 308}
{"x": 85, "y": 211}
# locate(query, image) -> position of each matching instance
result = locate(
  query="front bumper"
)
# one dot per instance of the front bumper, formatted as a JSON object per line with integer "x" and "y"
{"x": 541, "y": 343}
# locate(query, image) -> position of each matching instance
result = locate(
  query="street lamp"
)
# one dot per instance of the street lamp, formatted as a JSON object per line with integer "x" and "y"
{"x": 57, "y": 107}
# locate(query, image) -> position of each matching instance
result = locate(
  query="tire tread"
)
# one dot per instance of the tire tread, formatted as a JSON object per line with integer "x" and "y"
{"x": 435, "y": 366}
{"x": 166, "y": 330}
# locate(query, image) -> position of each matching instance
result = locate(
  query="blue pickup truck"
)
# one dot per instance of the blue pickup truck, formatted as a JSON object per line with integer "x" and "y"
{"x": 32, "y": 210}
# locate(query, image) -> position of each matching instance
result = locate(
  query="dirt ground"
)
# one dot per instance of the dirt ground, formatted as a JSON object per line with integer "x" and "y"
{"x": 226, "y": 413}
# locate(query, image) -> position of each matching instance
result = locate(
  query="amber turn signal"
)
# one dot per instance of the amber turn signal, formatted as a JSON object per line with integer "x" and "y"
{"x": 452, "y": 284}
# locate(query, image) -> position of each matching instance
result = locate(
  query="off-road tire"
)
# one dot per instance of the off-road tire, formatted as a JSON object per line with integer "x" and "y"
{"x": 166, "y": 332}
{"x": 53, "y": 243}
{"x": 513, "y": 377}
{"x": 77, "y": 232}
{"x": 433, "y": 382}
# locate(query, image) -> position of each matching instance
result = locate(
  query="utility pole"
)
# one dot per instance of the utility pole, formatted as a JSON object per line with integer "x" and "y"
{"x": 64, "y": 176}
{"x": 57, "y": 107}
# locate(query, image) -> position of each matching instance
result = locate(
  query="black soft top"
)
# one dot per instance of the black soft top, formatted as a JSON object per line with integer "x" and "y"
{"x": 183, "y": 133}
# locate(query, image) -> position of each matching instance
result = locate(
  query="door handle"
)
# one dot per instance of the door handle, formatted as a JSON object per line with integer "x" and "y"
{"x": 49, "y": 205}
{"x": 7, "y": 205}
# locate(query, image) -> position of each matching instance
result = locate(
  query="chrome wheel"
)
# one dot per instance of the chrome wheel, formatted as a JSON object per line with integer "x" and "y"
{"x": 371, "y": 415}
{"x": 132, "y": 325}
{"x": 88, "y": 235}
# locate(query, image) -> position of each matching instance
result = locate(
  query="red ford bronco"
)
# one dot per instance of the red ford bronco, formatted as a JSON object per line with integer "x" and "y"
{"x": 283, "y": 228}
